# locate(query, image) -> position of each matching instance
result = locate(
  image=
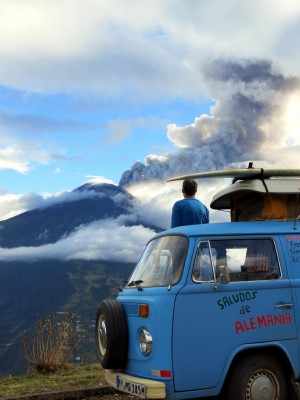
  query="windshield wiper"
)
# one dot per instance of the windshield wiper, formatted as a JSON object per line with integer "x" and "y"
{"x": 136, "y": 283}
{"x": 123, "y": 284}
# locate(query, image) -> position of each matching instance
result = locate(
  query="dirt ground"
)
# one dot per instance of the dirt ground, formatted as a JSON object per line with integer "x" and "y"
{"x": 115, "y": 396}
{"x": 121, "y": 396}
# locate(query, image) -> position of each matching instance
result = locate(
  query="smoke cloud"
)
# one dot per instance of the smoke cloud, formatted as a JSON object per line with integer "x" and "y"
{"x": 250, "y": 121}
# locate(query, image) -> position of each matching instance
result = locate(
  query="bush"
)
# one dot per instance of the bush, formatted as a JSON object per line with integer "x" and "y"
{"x": 51, "y": 343}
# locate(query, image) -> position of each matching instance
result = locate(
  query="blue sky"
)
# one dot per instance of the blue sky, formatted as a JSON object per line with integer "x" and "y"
{"x": 76, "y": 137}
{"x": 88, "y": 87}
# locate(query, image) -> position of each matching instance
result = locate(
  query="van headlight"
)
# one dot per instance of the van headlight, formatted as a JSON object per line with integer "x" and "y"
{"x": 145, "y": 342}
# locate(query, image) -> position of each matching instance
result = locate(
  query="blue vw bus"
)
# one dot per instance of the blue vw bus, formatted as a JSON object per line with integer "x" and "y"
{"x": 213, "y": 309}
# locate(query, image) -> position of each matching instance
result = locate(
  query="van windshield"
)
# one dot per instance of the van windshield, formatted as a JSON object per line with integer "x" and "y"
{"x": 161, "y": 263}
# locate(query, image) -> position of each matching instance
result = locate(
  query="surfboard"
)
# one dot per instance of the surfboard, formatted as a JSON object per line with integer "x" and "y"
{"x": 243, "y": 173}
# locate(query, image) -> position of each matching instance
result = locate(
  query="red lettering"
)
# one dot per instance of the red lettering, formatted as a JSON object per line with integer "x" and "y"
{"x": 279, "y": 319}
{"x": 270, "y": 320}
{"x": 238, "y": 327}
{"x": 261, "y": 321}
{"x": 246, "y": 327}
{"x": 288, "y": 319}
{"x": 252, "y": 323}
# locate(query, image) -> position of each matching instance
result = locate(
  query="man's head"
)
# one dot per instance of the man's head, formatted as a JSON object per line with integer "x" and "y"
{"x": 189, "y": 187}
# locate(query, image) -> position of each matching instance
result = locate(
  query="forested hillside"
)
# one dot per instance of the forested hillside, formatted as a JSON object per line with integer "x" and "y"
{"x": 31, "y": 291}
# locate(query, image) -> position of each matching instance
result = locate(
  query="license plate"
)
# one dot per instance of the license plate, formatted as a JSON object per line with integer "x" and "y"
{"x": 131, "y": 387}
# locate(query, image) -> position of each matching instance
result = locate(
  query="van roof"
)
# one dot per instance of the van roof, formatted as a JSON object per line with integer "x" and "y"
{"x": 291, "y": 228}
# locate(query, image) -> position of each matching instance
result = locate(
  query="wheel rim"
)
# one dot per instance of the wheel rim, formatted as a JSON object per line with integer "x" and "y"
{"x": 102, "y": 336}
{"x": 263, "y": 385}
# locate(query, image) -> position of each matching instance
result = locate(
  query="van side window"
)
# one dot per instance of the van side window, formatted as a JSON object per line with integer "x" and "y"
{"x": 245, "y": 259}
{"x": 203, "y": 270}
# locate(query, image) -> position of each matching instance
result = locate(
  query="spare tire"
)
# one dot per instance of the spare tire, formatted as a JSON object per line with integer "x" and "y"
{"x": 111, "y": 335}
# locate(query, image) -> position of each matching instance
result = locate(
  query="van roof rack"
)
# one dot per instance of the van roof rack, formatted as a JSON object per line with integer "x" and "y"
{"x": 250, "y": 187}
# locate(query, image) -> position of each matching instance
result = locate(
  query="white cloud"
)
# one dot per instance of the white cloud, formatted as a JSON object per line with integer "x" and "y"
{"x": 112, "y": 46}
{"x": 155, "y": 202}
{"x": 106, "y": 240}
{"x": 21, "y": 152}
{"x": 96, "y": 180}
{"x": 15, "y": 204}
{"x": 109, "y": 239}
{"x": 156, "y": 199}
{"x": 15, "y": 159}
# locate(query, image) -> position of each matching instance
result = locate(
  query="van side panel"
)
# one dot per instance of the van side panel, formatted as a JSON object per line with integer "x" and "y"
{"x": 212, "y": 321}
{"x": 291, "y": 251}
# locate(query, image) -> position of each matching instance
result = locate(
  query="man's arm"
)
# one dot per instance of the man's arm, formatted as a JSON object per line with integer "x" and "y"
{"x": 206, "y": 216}
{"x": 176, "y": 218}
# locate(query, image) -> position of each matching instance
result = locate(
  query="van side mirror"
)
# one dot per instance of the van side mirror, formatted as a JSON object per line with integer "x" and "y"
{"x": 224, "y": 276}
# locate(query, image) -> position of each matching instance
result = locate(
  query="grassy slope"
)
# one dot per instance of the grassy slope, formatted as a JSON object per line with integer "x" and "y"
{"x": 69, "y": 379}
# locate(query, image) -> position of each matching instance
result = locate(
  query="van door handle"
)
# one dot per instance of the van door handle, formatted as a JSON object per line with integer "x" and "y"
{"x": 285, "y": 305}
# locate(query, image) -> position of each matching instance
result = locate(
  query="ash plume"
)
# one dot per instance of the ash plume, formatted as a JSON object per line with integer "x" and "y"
{"x": 246, "y": 123}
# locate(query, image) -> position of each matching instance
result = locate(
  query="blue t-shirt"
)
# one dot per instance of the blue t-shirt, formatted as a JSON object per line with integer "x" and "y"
{"x": 189, "y": 211}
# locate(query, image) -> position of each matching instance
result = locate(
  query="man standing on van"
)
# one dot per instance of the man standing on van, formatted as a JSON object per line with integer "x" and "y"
{"x": 189, "y": 211}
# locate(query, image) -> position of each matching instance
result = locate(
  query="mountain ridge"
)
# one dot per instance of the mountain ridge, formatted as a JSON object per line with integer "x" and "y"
{"x": 31, "y": 288}
{"x": 48, "y": 224}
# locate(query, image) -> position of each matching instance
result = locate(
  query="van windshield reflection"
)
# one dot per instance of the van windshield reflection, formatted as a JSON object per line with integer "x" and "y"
{"x": 161, "y": 263}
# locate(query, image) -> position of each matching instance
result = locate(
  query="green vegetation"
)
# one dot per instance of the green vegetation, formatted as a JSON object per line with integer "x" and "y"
{"x": 31, "y": 291}
{"x": 69, "y": 378}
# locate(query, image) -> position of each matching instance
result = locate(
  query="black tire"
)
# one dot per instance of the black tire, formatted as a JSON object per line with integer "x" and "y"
{"x": 111, "y": 335}
{"x": 258, "y": 377}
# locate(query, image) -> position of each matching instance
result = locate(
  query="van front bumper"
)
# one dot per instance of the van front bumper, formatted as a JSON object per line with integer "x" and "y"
{"x": 143, "y": 388}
